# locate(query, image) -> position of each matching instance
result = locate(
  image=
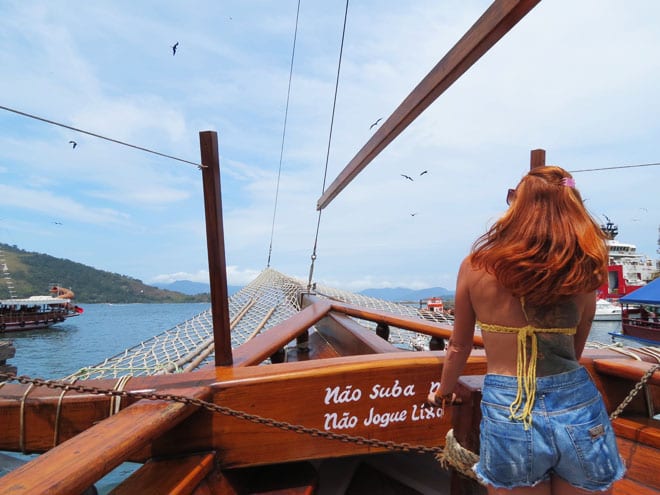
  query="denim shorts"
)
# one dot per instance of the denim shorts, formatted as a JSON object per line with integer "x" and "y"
{"x": 570, "y": 436}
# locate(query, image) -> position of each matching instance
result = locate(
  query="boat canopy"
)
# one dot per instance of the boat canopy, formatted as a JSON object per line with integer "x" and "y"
{"x": 34, "y": 300}
{"x": 647, "y": 294}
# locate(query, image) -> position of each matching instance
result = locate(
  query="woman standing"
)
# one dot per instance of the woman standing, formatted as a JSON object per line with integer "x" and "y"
{"x": 530, "y": 284}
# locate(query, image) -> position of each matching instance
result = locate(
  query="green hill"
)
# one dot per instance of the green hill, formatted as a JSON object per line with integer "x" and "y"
{"x": 34, "y": 273}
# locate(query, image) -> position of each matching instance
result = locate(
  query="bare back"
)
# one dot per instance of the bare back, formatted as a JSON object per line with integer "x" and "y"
{"x": 492, "y": 304}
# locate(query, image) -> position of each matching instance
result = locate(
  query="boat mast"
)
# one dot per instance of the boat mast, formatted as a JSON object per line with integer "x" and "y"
{"x": 215, "y": 244}
{"x": 498, "y": 20}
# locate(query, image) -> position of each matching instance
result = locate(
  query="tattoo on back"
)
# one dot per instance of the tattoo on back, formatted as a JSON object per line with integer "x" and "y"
{"x": 556, "y": 352}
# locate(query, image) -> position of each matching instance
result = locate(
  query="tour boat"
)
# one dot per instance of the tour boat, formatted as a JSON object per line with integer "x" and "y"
{"x": 641, "y": 313}
{"x": 292, "y": 390}
{"x": 36, "y": 312}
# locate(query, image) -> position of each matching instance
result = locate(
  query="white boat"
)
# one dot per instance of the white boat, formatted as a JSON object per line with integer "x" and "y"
{"x": 607, "y": 311}
{"x": 628, "y": 270}
{"x": 37, "y": 311}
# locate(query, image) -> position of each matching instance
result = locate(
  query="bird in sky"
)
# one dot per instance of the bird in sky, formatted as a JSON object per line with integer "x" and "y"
{"x": 57, "y": 223}
{"x": 407, "y": 177}
{"x": 425, "y": 172}
{"x": 73, "y": 144}
{"x": 174, "y": 47}
{"x": 375, "y": 123}
{"x": 413, "y": 214}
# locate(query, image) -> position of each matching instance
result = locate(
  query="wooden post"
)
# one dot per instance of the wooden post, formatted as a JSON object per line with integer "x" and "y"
{"x": 466, "y": 423}
{"x": 215, "y": 244}
{"x": 537, "y": 159}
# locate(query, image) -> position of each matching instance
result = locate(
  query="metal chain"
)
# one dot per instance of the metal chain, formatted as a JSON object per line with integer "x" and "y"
{"x": 634, "y": 391}
{"x": 216, "y": 408}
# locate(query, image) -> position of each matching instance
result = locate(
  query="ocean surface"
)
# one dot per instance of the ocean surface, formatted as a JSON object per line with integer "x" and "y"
{"x": 104, "y": 330}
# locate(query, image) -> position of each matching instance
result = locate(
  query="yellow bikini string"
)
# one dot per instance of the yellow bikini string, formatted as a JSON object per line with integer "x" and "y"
{"x": 525, "y": 371}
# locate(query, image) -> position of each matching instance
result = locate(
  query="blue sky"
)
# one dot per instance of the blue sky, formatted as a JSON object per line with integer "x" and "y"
{"x": 578, "y": 79}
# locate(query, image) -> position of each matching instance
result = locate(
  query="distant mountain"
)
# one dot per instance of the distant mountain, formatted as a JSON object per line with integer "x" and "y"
{"x": 34, "y": 273}
{"x": 403, "y": 294}
{"x": 194, "y": 288}
{"x": 185, "y": 287}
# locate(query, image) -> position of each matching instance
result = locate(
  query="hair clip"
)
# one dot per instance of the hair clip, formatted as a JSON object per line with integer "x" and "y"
{"x": 568, "y": 182}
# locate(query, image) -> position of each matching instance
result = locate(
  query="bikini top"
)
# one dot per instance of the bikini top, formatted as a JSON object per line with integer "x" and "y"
{"x": 525, "y": 370}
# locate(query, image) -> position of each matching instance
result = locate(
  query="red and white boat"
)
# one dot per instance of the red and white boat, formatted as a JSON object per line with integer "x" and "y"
{"x": 628, "y": 270}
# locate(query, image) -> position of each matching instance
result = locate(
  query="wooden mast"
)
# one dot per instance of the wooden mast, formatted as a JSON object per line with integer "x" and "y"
{"x": 500, "y": 17}
{"x": 215, "y": 242}
{"x": 537, "y": 159}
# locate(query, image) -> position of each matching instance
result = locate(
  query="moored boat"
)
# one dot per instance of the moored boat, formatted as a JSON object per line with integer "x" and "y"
{"x": 36, "y": 312}
{"x": 641, "y": 313}
{"x": 607, "y": 311}
{"x": 628, "y": 270}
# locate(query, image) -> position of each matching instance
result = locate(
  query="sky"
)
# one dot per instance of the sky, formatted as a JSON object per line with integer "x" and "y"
{"x": 578, "y": 79}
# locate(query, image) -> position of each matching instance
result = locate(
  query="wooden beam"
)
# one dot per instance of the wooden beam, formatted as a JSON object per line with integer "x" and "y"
{"x": 348, "y": 337}
{"x": 215, "y": 242}
{"x": 408, "y": 323}
{"x": 261, "y": 347}
{"x": 179, "y": 475}
{"x": 500, "y": 17}
{"x": 78, "y": 463}
{"x": 628, "y": 369}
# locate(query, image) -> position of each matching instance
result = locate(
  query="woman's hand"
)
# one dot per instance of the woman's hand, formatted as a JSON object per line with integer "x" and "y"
{"x": 443, "y": 400}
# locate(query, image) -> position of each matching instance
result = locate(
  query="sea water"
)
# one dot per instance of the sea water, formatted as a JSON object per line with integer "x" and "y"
{"x": 104, "y": 330}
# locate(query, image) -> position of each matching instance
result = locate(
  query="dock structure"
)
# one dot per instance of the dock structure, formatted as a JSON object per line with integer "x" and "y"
{"x": 7, "y": 351}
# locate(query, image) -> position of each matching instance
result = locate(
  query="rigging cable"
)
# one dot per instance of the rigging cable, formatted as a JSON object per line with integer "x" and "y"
{"x": 116, "y": 141}
{"x": 613, "y": 168}
{"x": 286, "y": 114}
{"x": 327, "y": 154}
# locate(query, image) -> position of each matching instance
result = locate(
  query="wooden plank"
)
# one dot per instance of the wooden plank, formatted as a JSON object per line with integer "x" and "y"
{"x": 628, "y": 368}
{"x": 208, "y": 142}
{"x": 319, "y": 348}
{"x": 629, "y": 487}
{"x": 376, "y": 396}
{"x": 498, "y": 19}
{"x": 641, "y": 462}
{"x": 261, "y": 347}
{"x": 350, "y": 338}
{"x": 78, "y": 463}
{"x": 642, "y": 430}
{"x": 174, "y": 476}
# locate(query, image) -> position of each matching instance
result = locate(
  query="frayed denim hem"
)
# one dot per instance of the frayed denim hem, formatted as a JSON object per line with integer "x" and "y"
{"x": 487, "y": 482}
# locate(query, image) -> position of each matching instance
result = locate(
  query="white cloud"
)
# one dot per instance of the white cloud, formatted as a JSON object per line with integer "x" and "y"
{"x": 577, "y": 79}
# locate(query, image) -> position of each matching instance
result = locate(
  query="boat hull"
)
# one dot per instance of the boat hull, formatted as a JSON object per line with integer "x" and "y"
{"x": 33, "y": 324}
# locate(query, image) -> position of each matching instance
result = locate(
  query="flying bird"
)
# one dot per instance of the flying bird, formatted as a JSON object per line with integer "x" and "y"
{"x": 57, "y": 223}
{"x": 413, "y": 214}
{"x": 425, "y": 172}
{"x": 407, "y": 177}
{"x": 375, "y": 123}
{"x": 174, "y": 47}
{"x": 73, "y": 144}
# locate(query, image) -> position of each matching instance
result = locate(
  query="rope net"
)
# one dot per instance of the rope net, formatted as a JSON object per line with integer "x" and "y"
{"x": 267, "y": 301}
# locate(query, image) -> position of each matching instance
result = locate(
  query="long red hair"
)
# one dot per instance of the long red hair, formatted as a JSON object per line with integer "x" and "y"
{"x": 546, "y": 247}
